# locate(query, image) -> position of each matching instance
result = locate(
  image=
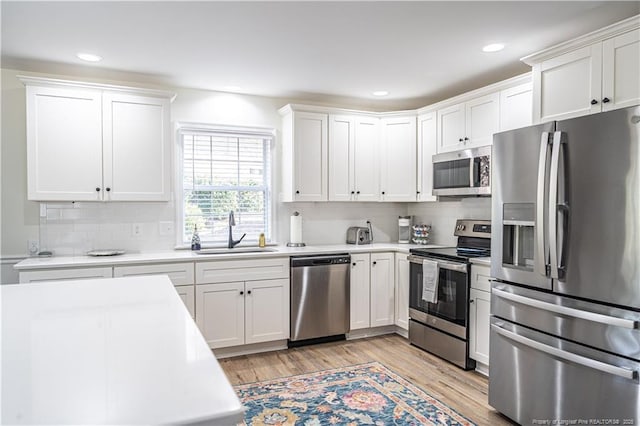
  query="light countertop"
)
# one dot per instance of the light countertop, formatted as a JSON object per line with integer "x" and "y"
{"x": 108, "y": 351}
{"x": 190, "y": 256}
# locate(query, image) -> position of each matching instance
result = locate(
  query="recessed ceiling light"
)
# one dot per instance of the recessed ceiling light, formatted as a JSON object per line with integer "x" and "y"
{"x": 495, "y": 47}
{"x": 380, "y": 93}
{"x": 89, "y": 57}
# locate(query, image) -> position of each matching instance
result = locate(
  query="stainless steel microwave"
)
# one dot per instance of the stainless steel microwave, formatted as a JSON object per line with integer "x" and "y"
{"x": 460, "y": 173}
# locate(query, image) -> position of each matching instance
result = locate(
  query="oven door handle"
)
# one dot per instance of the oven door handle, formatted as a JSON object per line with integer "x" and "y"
{"x": 442, "y": 264}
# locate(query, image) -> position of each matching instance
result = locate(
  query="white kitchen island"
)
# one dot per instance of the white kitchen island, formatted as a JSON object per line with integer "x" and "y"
{"x": 107, "y": 351}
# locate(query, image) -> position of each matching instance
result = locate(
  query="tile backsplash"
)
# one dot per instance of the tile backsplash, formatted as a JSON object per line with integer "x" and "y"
{"x": 71, "y": 229}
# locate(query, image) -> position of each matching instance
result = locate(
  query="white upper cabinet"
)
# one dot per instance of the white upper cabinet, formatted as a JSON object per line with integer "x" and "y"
{"x": 621, "y": 71}
{"x": 468, "y": 125}
{"x": 305, "y": 155}
{"x": 64, "y": 126}
{"x": 353, "y": 158}
{"x": 118, "y": 142}
{"x": 136, "y": 147}
{"x": 426, "y": 150}
{"x": 567, "y": 85}
{"x": 593, "y": 73}
{"x": 398, "y": 159}
{"x": 516, "y": 107}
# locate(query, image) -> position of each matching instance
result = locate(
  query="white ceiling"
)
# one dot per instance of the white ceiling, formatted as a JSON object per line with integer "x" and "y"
{"x": 339, "y": 52}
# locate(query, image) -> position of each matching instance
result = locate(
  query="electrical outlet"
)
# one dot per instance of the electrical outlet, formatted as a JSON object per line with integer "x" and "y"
{"x": 136, "y": 230}
{"x": 166, "y": 228}
{"x": 33, "y": 247}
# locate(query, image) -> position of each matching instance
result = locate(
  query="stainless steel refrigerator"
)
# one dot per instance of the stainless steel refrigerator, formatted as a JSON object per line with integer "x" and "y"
{"x": 565, "y": 256}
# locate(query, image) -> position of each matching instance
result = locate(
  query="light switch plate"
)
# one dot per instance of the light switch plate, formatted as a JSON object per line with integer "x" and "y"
{"x": 136, "y": 230}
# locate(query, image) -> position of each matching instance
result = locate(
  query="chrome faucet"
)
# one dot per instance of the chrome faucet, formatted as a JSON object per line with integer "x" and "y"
{"x": 232, "y": 223}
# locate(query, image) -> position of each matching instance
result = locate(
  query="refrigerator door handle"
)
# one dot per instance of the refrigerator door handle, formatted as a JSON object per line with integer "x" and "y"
{"x": 567, "y": 356}
{"x": 564, "y": 310}
{"x": 542, "y": 248}
{"x": 553, "y": 205}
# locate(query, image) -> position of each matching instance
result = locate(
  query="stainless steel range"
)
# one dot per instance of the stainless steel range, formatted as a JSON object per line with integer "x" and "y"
{"x": 439, "y": 324}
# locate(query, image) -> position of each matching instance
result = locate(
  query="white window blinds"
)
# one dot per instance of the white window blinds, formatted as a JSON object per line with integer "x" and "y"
{"x": 225, "y": 171}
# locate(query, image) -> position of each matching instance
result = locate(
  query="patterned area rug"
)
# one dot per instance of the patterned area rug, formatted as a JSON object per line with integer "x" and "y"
{"x": 367, "y": 394}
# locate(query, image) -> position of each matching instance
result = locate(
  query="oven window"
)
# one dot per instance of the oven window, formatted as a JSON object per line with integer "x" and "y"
{"x": 452, "y": 295}
{"x": 451, "y": 174}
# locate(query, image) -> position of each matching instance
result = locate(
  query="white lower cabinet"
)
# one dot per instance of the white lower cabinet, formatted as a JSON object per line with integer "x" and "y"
{"x": 188, "y": 295}
{"x": 65, "y": 274}
{"x": 238, "y": 313}
{"x": 360, "y": 296}
{"x": 479, "y": 312}
{"x": 181, "y": 275}
{"x": 372, "y": 290}
{"x": 402, "y": 291}
{"x": 382, "y": 289}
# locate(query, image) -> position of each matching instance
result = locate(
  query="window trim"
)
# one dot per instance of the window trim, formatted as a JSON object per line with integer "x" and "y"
{"x": 182, "y": 127}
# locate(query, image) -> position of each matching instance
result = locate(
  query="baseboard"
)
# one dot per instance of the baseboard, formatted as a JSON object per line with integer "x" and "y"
{"x": 250, "y": 349}
{"x": 482, "y": 368}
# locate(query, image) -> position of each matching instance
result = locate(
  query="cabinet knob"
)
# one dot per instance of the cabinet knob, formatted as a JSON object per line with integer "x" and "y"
{"x": 460, "y": 140}
{"x": 471, "y": 301}
{"x": 97, "y": 189}
{"x": 353, "y": 192}
{"x": 606, "y": 100}
{"x": 248, "y": 291}
{"x": 354, "y": 264}
{"x": 241, "y": 293}
{"x": 382, "y": 192}
{"x": 466, "y": 138}
{"x": 297, "y": 192}
{"x": 108, "y": 189}
{"x": 374, "y": 262}
{"x": 357, "y": 192}
{"x": 593, "y": 102}
{"x": 418, "y": 192}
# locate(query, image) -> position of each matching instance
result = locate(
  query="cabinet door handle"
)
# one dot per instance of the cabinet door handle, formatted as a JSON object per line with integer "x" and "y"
{"x": 248, "y": 291}
{"x": 460, "y": 140}
{"x": 357, "y": 192}
{"x": 593, "y": 102}
{"x": 297, "y": 192}
{"x": 471, "y": 301}
{"x": 374, "y": 262}
{"x": 382, "y": 192}
{"x": 352, "y": 192}
{"x": 108, "y": 189}
{"x": 241, "y": 293}
{"x": 97, "y": 189}
{"x": 417, "y": 192}
{"x": 354, "y": 264}
{"x": 606, "y": 100}
{"x": 466, "y": 138}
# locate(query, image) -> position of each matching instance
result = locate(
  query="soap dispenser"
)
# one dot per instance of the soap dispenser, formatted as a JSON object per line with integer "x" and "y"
{"x": 195, "y": 239}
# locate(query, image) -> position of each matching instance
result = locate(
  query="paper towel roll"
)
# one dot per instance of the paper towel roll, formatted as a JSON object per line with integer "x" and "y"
{"x": 295, "y": 229}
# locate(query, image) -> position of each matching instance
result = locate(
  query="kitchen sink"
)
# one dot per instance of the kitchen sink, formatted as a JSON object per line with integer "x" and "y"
{"x": 237, "y": 250}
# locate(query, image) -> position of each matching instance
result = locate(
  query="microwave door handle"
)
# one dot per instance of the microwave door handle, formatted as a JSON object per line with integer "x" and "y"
{"x": 472, "y": 173}
{"x": 542, "y": 253}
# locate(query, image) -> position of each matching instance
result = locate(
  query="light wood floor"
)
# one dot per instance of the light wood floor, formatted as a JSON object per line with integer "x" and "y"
{"x": 465, "y": 391}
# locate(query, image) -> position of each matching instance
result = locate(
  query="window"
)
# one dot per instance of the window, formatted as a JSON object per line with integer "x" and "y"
{"x": 225, "y": 169}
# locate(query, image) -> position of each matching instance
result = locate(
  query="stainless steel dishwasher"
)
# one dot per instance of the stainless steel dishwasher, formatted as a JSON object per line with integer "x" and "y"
{"x": 319, "y": 298}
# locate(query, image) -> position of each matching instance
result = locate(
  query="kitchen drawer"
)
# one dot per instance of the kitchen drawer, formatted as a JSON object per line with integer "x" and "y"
{"x": 179, "y": 273}
{"x": 480, "y": 277}
{"x": 222, "y": 271}
{"x": 65, "y": 274}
